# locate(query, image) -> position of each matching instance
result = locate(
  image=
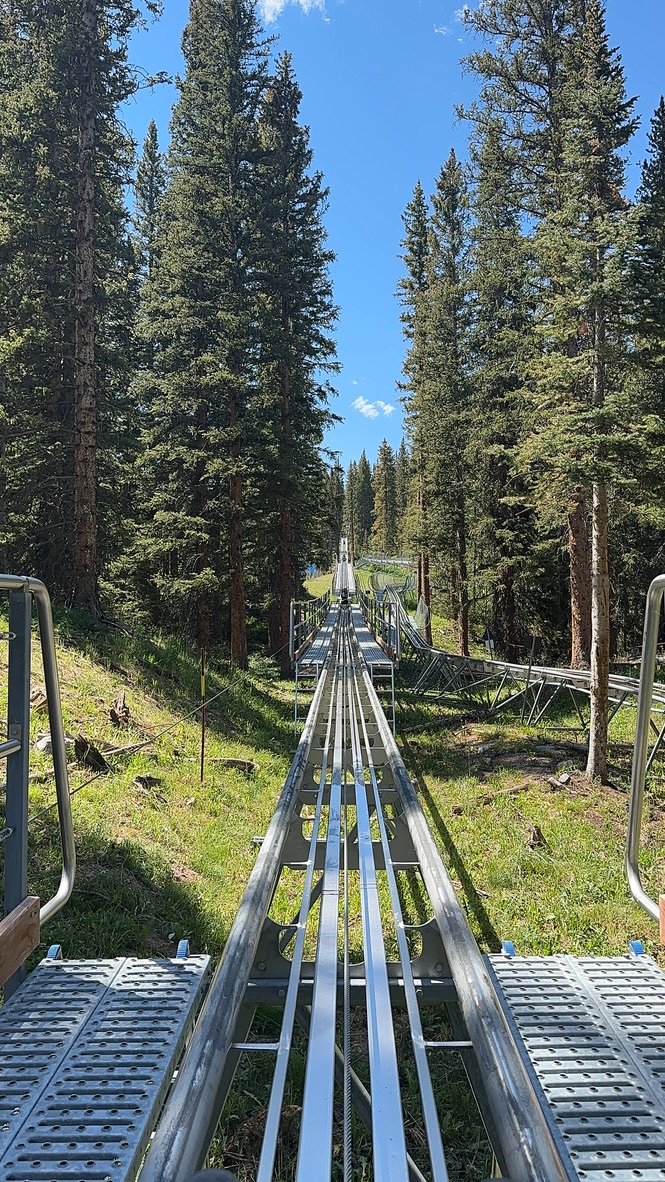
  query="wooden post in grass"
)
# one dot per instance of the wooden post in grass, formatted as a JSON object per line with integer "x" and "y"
{"x": 203, "y": 708}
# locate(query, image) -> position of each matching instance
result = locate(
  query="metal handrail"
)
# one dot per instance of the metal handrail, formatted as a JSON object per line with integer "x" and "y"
{"x": 34, "y": 587}
{"x": 306, "y": 616}
{"x": 383, "y": 620}
{"x": 640, "y": 753}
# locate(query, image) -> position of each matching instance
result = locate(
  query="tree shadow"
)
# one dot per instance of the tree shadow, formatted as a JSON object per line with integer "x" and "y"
{"x": 489, "y": 934}
{"x": 127, "y": 901}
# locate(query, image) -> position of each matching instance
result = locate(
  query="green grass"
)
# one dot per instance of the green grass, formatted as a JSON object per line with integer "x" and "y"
{"x": 170, "y": 859}
{"x": 318, "y": 585}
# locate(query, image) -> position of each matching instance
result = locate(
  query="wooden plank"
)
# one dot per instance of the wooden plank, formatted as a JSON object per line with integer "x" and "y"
{"x": 19, "y": 935}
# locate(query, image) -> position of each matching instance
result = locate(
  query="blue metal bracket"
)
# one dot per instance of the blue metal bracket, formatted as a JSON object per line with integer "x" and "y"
{"x": 183, "y": 950}
{"x": 508, "y": 948}
{"x": 637, "y": 948}
{"x": 54, "y": 952}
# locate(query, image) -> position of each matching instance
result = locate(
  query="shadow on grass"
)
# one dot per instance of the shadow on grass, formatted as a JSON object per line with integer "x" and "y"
{"x": 126, "y": 901}
{"x": 489, "y": 934}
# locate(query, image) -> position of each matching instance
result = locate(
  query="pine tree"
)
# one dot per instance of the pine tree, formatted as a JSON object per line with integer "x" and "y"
{"x": 445, "y": 403}
{"x": 350, "y": 526}
{"x": 65, "y": 161}
{"x": 364, "y": 504}
{"x": 601, "y": 123}
{"x": 412, "y": 293}
{"x": 531, "y": 49}
{"x": 502, "y": 345}
{"x": 149, "y": 187}
{"x": 649, "y": 268}
{"x": 385, "y": 501}
{"x": 295, "y": 314}
{"x": 199, "y": 316}
{"x": 402, "y": 493}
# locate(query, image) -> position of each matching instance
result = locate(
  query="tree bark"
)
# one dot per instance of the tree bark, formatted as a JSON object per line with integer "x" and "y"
{"x": 3, "y": 478}
{"x": 463, "y": 576}
{"x": 427, "y": 598}
{"x": 580, "y": 586}
{"x": 509, "y": 613}
{"x": 600, "y": 594}
{"x": 237, "y": 610}
{"x": 200, "y": 505}
{"x": 600, "y": 646}
{"x": 85, "y": 590}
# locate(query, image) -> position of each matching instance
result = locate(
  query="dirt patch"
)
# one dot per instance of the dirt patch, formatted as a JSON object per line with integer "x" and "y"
{"x": 182, "y": 873}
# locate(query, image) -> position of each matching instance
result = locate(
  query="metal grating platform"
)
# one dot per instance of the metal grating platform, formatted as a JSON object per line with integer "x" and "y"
{"x": 88, "y": 1054}
{"x": 371, "y": 651}
{"x": 318, "y": 650}
{"x": 593, "y": 1035}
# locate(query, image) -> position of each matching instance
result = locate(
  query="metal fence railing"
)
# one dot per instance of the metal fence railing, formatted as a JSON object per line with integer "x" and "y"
{"x": 307, "y": 616}
{"x": 382, "y": 617}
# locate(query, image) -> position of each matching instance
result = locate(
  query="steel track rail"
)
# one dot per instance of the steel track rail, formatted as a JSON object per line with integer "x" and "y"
{"x": 480, "y": 668}
{"x": 345, "y": 741}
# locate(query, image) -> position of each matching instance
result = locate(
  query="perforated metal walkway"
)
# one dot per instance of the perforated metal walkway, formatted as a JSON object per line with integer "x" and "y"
{"x": 592, "y": 1033}
{"x": 88, "y": 1053}
{"x": 315, "y": 655}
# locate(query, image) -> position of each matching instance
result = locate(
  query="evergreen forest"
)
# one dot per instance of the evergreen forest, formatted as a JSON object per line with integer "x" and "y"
{"x": 167, "y": 344}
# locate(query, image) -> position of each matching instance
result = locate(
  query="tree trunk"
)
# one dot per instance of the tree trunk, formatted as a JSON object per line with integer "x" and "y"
{"x": 463, "y": 576}
{"x": 427, "y": 598}
{"x": 509, "y": 613}
{"x": 237, "y": 613}
{"x": 285, "y": 590}
{"x": 580, "y": 586}
{"x": 596, "y": 767}
{"x": 200, "y": 505}
{"x": 3, "y": 480}
{"x": 600, "y": 646}
{"x": 85, "y": 591}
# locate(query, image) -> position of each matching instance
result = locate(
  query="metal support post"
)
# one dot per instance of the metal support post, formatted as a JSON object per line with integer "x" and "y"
{"x": 18, "y": 727}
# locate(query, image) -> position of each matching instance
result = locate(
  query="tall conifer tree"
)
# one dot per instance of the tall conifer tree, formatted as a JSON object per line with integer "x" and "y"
{"x": 412, "y": 293}
{"x": 295, "y": 314}
{"x": 199, "y": 314}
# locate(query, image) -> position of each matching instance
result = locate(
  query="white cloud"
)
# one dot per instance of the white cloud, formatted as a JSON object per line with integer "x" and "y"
{"x": 443, "y": 30}
{"x": 271, "y": 9}
{"x": 366, "y": 408}
{"x": 372, "y": 410}
{"x": 462, "y": 13}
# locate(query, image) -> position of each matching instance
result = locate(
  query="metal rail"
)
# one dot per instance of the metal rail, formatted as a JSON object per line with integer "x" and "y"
{"x": 348, "y": 768}
{"x": 21, "y": 592}
{"x": 306, "y": 617}
{"x": 190, "y": 1117}
{"x": 640, "y": 755}
{"x": 443, "y": 673}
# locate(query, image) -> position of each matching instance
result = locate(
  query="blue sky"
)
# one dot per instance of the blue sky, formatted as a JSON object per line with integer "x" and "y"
{"x": 380, "y": 80}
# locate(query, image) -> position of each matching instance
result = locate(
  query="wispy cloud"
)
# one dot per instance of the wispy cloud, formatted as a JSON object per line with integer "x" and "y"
{"x": 443, "y": 30}
{"x": 271, "y": 9}
{"x": 372, "y": 410}
{"x": 462, "y": 13}
{"x": 366, "y": 408}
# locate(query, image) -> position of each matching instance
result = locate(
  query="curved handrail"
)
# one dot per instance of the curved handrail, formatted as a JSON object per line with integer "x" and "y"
{"x": 34, "y": 587}
{"x": 640, "y": 753}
